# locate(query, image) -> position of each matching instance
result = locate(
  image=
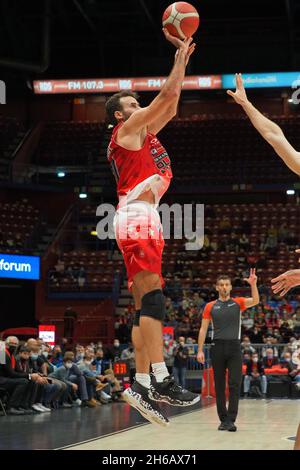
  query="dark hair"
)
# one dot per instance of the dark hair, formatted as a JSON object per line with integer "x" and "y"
{"x": 113, "y": 104}
{"x": 69, "y": 356}
{"x": 223, "y": 277}
{"x": 24, "y": 349}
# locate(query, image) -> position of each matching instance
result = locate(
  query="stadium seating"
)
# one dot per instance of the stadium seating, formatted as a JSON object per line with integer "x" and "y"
{"x": 69, "y": 143}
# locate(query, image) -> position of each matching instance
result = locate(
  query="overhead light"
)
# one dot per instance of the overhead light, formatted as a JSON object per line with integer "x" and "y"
{"x": 290, "y": 100}
{"x": 82, "y": 195}
{"x": 290, "y": 192}
{"x": 94, "y": 233}
{"x": 61, "y": 174}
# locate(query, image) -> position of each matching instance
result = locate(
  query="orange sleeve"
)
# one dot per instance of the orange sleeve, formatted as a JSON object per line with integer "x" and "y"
{"x": 206, "y": 315}
{"x": 242, "y": 303}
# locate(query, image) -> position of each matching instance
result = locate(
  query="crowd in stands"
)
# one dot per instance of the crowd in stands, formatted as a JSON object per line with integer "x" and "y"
{"x": 39, "y": 378}
{"x": 274, "y": 319}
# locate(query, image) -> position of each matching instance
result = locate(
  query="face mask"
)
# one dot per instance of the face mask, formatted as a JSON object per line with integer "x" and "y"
{"x": 12, "y": 348}
{"x": 68, "y": 365}
{"x": 99, "y": 358}
{"x": 116, "y": 345}
{"x": 269, "y": 357}
{"x": 80, "y": 356}
{"x": 34, "y": 357}
{"x": 88, "y": 362}
{"x": 45, "y": 354}
{"x": 255, "y": 359}
{"x": 166, "y": 343}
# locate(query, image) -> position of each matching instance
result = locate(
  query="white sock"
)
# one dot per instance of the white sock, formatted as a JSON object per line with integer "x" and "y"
{"x": 160, "y": 371}
{"x": 143, "y": 379}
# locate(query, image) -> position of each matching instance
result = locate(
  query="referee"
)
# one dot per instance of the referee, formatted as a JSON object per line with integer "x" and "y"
{"x": 225, "y": 315}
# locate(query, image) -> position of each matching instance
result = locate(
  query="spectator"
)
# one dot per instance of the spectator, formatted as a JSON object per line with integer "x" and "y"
{"x": 270, "y": 360}
{"x": 129, "y": 355}
{"x": 255, "y": 335}
{"x": 255, "y": 371}
{"x": 247, "y": 321}
{"x": 79, "y": 353}
{"x": 246, "y": 356}
{"x": 14, "y": 382}
{"x": 46, "y": 368}
{"x": 74, "y": 379}
{"x": 93, "y": 381}
{"x": 293, "y": 369}
{"x": 244, "y": 242}
{"x": 246, "y": 345}
{"x": 47, "y": 389}
{"x": 180, "y": 361}
{"x": 115, "y": 386}
{"x": 99, "y": 362}
{"x": 169, "y": 355}
{"x": 81, "y": 277}
{"x": 57, "y": 357}
{"x": 115, "y": 352}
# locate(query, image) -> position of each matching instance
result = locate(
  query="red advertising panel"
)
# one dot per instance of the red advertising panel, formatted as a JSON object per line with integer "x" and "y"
{"x": 47, "y": 334}
{"x": 112, "y": 85}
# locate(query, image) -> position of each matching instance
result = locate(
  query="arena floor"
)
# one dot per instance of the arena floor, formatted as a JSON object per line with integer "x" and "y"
{"x": 262, "y": 425}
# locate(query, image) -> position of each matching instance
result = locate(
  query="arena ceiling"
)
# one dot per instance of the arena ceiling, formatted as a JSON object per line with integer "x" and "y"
{"x": 108, "y": 38}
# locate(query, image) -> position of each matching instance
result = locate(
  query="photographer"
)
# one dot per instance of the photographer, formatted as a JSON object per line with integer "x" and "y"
{"x": 180, "y": 361}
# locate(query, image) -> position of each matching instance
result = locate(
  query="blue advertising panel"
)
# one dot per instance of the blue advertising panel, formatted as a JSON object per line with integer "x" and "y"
{"x": 264, "y": 80}
{"x": 19, "y": 267}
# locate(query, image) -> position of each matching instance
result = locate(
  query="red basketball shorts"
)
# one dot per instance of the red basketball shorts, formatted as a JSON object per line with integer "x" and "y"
{"x": 138, "y": 232}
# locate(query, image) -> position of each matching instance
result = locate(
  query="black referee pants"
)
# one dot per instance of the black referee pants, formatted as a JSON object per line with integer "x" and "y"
{"x": 226, "y": 354}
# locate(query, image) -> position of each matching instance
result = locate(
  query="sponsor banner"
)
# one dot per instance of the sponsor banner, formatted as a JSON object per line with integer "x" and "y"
{"x": 264, "y": 80}
{"x": 47, "y": 334}
{"x": 112, "y": 85}
{"x": 19, "y": 267}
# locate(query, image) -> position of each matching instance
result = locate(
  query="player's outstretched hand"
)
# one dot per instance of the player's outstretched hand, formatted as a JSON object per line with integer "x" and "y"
{"x": 286, "y": 281}
{"x": 186, "y": 45}
{"x": 252, "y": 279}
{"x": 240, "y": 96}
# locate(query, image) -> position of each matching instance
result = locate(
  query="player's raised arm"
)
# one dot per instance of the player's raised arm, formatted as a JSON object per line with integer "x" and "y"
{"x": 270, "y": 131}
{"x": 167, "y": 99}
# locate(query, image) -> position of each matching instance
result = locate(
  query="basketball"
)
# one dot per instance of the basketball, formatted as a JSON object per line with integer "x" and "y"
{"x": 181, "y": 19}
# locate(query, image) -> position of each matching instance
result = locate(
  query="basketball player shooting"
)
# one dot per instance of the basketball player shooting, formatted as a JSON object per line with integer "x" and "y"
{"x": 143, "y": 173}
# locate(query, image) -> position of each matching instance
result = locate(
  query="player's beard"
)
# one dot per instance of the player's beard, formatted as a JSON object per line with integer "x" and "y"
{"x": 126, "y": 116}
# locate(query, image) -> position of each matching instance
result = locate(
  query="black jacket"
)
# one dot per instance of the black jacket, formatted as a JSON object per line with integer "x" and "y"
{"x": 260, "y": 368}
{"x": 8, "y": 371}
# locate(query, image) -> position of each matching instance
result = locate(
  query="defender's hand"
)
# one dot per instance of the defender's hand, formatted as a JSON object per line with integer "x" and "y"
{"x": 240, "y": 96}
{"x": 285, "y": 282}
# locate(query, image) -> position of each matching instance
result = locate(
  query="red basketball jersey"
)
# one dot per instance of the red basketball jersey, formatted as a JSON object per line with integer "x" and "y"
{"x": 137, "y": 171}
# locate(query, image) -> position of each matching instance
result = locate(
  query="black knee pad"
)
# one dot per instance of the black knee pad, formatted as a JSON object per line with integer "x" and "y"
{"x": 136, "y": 320}
{"x": 153, "y": 305}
